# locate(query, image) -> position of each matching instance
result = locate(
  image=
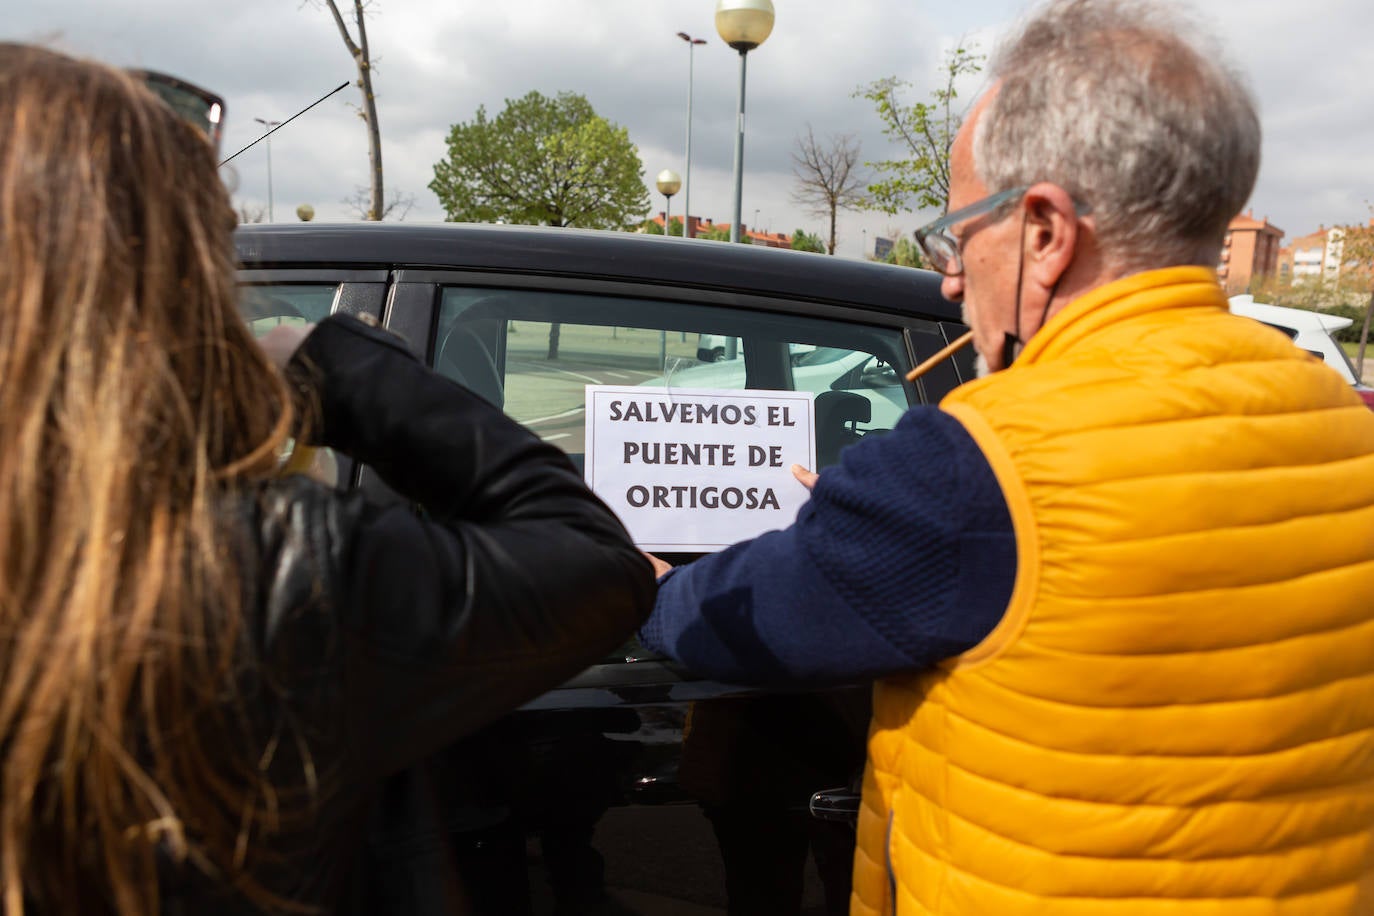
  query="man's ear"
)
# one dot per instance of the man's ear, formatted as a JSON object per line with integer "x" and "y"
{"x": 1052, "y": 231}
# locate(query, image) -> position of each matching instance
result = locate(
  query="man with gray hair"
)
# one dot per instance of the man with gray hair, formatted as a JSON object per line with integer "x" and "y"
{"x": 1116, "y": 592}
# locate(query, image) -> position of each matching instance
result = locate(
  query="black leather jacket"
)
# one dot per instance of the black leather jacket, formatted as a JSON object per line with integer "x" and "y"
{"x": 384, "y": 634}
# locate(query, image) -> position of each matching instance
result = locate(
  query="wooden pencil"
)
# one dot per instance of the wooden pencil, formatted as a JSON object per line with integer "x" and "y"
{"x": 955, "y": 346}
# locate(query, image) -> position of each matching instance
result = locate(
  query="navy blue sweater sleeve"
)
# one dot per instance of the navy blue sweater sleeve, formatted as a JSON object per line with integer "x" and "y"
{"x": 903, "y": 556}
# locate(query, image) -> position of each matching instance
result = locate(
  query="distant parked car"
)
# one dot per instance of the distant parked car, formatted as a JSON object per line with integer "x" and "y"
{"x": 817, "y": 369}
{"x": 1313, "y": 331}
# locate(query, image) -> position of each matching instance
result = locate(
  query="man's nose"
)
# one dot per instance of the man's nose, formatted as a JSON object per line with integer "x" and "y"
{"x": 952, "y": 288}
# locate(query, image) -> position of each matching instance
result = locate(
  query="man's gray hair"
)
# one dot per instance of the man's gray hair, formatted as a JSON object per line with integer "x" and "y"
{"x": 1152, "y": 130}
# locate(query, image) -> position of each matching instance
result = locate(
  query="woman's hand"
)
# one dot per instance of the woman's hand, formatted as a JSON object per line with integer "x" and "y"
{"x": 804, "y": 477}
{"x": 281, "y": 343}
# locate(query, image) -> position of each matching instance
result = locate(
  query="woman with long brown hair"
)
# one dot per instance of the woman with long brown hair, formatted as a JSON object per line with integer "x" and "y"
{"x": 205, "y": 667}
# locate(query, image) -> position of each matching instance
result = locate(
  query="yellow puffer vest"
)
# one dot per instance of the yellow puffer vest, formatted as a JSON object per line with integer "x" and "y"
{"x": 1176, "y": 714}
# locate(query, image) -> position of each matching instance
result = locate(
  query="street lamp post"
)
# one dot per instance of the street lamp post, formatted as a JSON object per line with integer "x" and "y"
{"x": 743, "y": 25}
{"x": 687, "y": 169}
{"x": 271, "y": 126}
{"x": 668, "y": 183}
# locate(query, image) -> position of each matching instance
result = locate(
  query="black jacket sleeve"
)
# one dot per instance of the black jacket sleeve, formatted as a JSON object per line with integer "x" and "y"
{"x": 513, "y": 579}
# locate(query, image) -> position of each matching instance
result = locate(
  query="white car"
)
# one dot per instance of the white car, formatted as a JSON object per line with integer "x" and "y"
{"x": 815, "y": 369}
{"x": 1313, "y": 331}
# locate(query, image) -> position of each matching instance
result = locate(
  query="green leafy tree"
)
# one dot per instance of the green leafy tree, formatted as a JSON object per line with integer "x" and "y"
{"x": 1345, "y": 294}
{"x": 649, "y": 227}
{"x": 805, "y": 241}
{"x": 722, "y": 234}
{"x": 1357, "y": 264}
{"x": 919, "y": 178}
{"x": 905, "y": 253}
{"x": 542, "y": 161}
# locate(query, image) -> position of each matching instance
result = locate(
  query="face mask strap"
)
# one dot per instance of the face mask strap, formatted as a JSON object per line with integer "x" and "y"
{"x": 1012, "y": 345}
{"x": 1011, "y": 342}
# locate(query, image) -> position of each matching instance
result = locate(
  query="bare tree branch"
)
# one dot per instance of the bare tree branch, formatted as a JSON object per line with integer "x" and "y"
{"x": 251, "y": 214}
{"x": 397, "y": 207}
{"x": 828, "y": 176}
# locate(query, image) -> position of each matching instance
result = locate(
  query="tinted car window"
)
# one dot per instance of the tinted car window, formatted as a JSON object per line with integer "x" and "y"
{"x": 267, "y": 305}
{"x": 264, "y": 306}
{"x": 506, "y": 346}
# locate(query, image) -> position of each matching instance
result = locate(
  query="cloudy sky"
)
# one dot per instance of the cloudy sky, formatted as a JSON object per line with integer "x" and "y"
{"x": 436, "y": 61}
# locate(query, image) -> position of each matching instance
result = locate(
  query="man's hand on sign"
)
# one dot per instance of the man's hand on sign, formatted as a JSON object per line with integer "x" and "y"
{"x": 805, "y": 477}
{"x": 660, "y": 566}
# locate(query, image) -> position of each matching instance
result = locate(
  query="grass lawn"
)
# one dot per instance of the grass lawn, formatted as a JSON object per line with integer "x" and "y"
{"x": 1352, "y": 350}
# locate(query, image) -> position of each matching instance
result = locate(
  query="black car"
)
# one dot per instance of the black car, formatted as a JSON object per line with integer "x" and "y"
{"x": 592, "y": 786}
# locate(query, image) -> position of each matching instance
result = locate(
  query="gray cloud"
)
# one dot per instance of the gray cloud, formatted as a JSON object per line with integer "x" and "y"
{"x": 438, "y": 60}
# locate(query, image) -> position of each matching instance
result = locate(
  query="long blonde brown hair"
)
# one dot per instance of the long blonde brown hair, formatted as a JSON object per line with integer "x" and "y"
{"x": 132, "y": 400}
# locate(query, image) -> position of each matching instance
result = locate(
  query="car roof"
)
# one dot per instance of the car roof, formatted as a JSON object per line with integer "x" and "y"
{"x": 1297, "y": 319}
{"x": 1312, "y": 331}
{"x": 601, "y": 255}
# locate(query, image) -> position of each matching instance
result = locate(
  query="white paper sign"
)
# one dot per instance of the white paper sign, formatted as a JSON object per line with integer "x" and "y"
{"x": 696, "y": 469}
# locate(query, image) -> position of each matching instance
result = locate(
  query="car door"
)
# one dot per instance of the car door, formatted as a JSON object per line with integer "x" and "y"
{"x": 613, "y": 737}
{"x": 531, "y": 344}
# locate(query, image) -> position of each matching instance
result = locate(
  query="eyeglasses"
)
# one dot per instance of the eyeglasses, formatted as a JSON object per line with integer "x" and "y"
{"x": 941, "y": 248}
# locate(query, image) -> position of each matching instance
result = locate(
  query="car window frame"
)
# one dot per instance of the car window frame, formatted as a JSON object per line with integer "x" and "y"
{"x": 414, "y": 303}
{"x": 358, "y": 292}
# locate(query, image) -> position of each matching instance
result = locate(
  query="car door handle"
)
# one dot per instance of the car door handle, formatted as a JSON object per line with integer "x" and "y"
{"x": 835, "y": 805}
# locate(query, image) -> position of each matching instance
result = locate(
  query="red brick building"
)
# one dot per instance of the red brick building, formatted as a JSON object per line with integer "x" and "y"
{"x": 696, "y": 226}
{"x": 1250, "y": 251}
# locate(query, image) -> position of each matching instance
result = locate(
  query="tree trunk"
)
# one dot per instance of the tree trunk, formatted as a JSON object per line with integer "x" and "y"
{"x": 374, "y": 130}
{"x": 1364, "y": 337}
{"x": 555, "y": 328}
{"x": 362, "y": 58}
{"x": 833, "y": 208}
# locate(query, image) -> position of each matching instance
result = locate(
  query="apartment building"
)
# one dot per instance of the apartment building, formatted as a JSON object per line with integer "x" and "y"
{"x": 1250, "y": 251}
{"x": 1301, "y": 260}
{"x": 1318, "y": 256}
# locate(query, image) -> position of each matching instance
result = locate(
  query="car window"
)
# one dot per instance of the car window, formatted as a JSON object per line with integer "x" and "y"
{"x": 507, "y": 346}
{"x": 266, "y": 305}
{"x": 1291, "y": 332}
{"x": 805, "y": 355}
